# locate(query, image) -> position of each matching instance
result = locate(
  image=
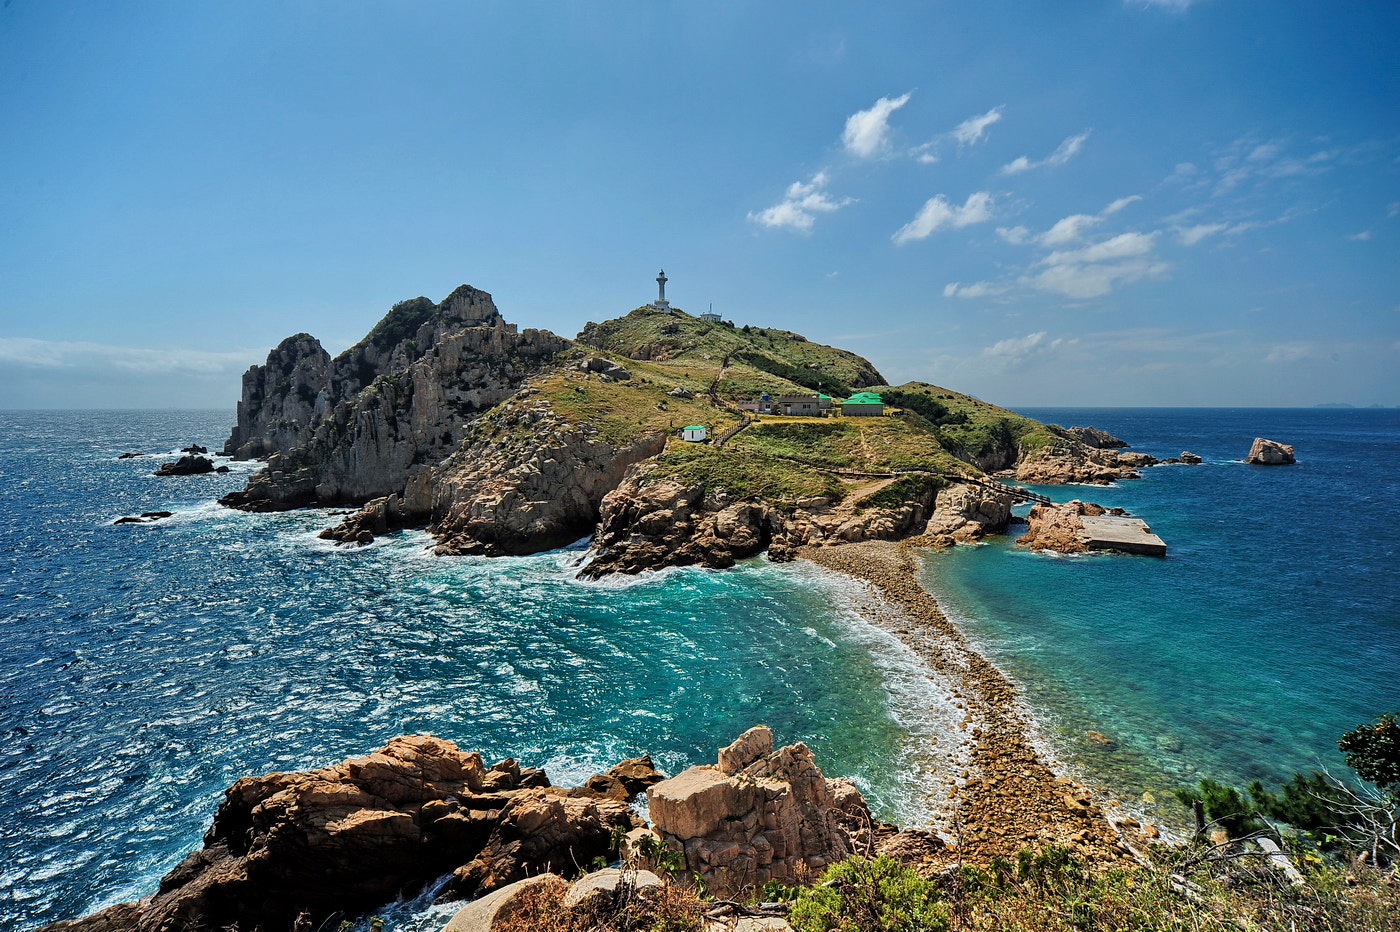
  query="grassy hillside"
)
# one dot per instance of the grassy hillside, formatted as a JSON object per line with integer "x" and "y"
{"x": 778, "y": 459}
{"x": 647, "y": 333}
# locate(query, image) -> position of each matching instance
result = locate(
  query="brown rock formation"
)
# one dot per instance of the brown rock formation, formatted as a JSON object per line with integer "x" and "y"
{"x": 1058, "y": 527}
{"x": 1071, "y": 461}
{"x": 1093, "y": 437}
{"x": 1270, "y": 453}
{"x": 757, "y": 815}
{"x": 289, "y": 850}
{"x": 647, "y": 524}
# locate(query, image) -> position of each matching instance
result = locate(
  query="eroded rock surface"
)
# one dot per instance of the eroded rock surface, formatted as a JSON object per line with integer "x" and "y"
{"x": 397, "y": 401}
{"x": 758, "y": 814}
{"x": 1269, "y": 453}
{"x": 290, "y": 850}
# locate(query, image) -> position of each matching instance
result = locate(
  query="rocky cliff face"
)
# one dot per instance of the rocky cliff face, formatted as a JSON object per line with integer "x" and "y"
{"x": 528, "y": 481}
{"x": 395, "y": 403}
{"x": 279, "y": 404}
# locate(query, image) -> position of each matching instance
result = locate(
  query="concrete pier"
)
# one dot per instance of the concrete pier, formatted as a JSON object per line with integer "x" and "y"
{"x": 1121, "y": 533}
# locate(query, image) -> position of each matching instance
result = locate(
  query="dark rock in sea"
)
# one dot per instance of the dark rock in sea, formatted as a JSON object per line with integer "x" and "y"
{"x": 147, "y": 517}
{"x": 187, "y": 465}
{"x": 1270, "y": 453}
{"x": 1189, "y": 458}
{"x": 130, "y": 456}
{"x": 221, "y": 469}
{"x": 194, "y": 448}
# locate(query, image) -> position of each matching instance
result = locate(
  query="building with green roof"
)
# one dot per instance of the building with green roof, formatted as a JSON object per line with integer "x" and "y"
{"x": 863, "y": 404}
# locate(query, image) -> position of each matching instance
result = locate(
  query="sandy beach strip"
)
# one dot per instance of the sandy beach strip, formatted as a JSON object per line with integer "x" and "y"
{"x": 1009, "y": 798}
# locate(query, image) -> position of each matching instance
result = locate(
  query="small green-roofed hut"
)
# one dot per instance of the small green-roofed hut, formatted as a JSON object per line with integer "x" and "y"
{"x": 863, "y": 404}
{"x": 695, "y": 433}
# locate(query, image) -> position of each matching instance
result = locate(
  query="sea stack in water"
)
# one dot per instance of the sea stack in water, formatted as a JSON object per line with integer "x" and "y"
{"x": 1270, "y": 453}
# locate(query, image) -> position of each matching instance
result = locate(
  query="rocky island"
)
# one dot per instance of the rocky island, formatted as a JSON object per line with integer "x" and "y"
{"x": 508, "y": 441}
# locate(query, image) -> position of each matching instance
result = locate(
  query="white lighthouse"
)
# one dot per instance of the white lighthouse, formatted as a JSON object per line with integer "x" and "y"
{"x": 661, "y": 304}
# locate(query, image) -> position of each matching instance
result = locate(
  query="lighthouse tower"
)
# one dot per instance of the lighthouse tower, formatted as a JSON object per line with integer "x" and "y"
{"x": 661, "y": 304}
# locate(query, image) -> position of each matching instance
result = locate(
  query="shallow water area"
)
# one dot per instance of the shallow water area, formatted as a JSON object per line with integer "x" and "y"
{"x": 1271, "y": 627}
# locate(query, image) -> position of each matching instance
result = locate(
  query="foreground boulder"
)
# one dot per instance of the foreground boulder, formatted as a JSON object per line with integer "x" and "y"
{"x": 292, "y": 850}
{"x": 759, "y": 814}
{"x": 1270, "y": 453}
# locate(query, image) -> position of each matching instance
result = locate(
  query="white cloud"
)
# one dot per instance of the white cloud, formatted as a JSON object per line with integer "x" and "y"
{"x": 1393, "y": 209}
{"x": 1120, "y": 204}
{"x": 1062, "y": 154}
{"x": 1095, "y": 270}
{"x": 1179, "y": 5}
{"x": 1068, "y": 230}
{"x": 800, "y": 205}
{"x": 937, "y": 212}
{"x": 974, "y": 290}
{"x": 1190, "y": 236}
{"x": 51, "y": 354}
{"x": 1017, "y": 351}
{"x": 1360, "y": 237}
{"x": 973, "y": 129}
{"x": 867, "y": 131}
{"x": 1016, "y": 236}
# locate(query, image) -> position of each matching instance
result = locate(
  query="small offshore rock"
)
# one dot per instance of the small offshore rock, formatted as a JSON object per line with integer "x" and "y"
{"x": 1270, "y": 453}
{"x": 187, "y": 465}
{"x": 1189, "y": 458}
{"x": 129, "y": 456}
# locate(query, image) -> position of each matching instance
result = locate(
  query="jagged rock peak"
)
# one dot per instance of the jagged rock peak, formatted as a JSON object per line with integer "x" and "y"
{"x": 279, "y": 399}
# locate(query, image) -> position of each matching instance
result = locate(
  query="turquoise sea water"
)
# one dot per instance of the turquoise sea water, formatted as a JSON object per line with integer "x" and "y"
{"x": 145, "y": 668}
{"x": 1272, "y": 626}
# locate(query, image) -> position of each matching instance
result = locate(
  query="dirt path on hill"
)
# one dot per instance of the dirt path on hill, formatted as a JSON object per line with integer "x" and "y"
{"x": 1010, "y": 798}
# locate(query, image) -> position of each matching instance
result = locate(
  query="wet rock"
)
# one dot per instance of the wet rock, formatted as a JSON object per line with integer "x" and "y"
{"x": 146, "y": 517}
{"x": 1189, "y": 458}
{"x": 188, "y": 465}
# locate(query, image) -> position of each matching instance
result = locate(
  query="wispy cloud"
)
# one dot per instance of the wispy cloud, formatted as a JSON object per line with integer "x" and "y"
{"x": 867, "y": 131}
{"x": 50, "y": 354}
{"x": 1360, "y": 237}
{"x": 1190, "y": 236}
{"x": 800, "y": 205}
{"x": 1062, "y": 154}
{"x": 974, "y": 290}
{"x": 1249, "y": 161}
{"x": 1097, "y": 269}
{"x": 974, "y": 129}
{"x": 1015, "y": 351}
{"x": 937, "y": 212}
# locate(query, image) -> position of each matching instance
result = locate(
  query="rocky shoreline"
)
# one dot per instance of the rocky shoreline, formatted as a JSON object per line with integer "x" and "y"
{"x": 1009, "y": 797}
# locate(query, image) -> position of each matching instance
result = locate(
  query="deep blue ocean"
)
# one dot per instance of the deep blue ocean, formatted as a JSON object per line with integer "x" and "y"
{"x": 145, "y": 668}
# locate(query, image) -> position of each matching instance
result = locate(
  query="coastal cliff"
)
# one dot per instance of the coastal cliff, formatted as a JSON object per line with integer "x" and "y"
{"x": 504, "y": 441}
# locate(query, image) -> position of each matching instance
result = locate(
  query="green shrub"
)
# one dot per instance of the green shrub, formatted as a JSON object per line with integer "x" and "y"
{"x": 1373, "y": 751}
{"x": 859, "y": 895}
{"x": 1224, "y": 805}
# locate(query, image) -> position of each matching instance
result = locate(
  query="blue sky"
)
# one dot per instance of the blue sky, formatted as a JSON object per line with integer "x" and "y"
{"x": 1082, "y": 202}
